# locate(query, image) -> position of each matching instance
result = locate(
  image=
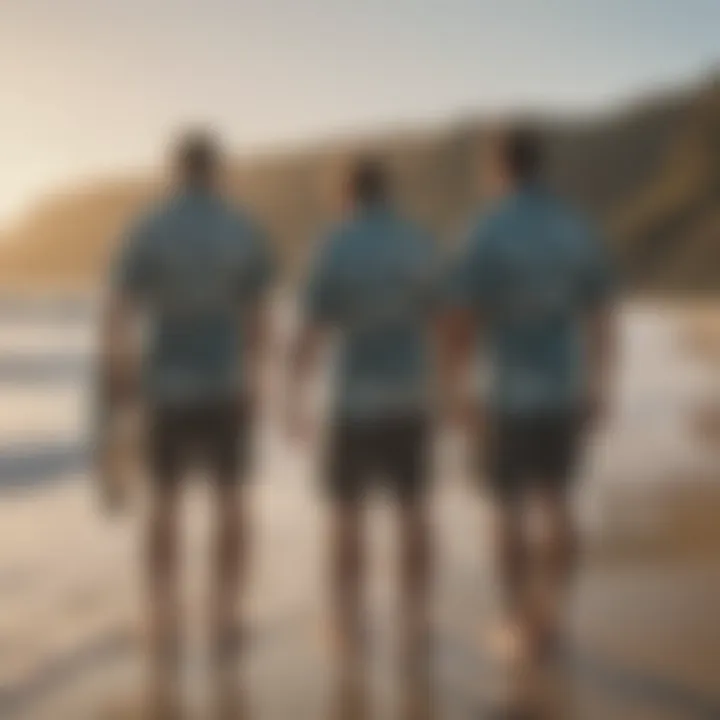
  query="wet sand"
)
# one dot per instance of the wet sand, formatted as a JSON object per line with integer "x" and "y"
{"x": 645, "y": 637}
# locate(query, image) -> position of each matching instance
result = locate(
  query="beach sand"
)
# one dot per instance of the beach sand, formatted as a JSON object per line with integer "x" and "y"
{"x": 645, "y": 640}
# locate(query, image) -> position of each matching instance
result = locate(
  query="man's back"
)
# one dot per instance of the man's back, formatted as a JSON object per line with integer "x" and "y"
{"x": 533, "y": 271}
{"x": 194, "y": 264}
{"x": 374, "y": 280}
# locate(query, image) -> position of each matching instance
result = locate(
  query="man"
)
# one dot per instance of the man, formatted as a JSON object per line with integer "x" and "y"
{"x": 373, "y": 283}
{"x": 196, "y": 271}
{"x": 534, "y": 283}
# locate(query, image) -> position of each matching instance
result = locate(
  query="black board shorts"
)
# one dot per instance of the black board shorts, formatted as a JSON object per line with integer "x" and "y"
{"x": 391, "y": 452}
{"x": 534, "y": 451}
{"x": 214, "y": 437}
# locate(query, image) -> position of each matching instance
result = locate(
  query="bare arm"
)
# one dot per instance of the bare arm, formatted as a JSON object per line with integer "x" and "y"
{"x": 456, "y": 340}
{"x": 118, "y": 356}
{"x": 303, "y": 358}
{"x": 258, "y": 334}
{"x": 117, "y": 386}
{"x": 602, "y": 359}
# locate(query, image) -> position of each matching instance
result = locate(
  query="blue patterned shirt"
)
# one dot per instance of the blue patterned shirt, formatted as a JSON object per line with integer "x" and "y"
{"x": 194, "y": 264}
{"x": 375, "y": 280}
{"x": 532, "y": 270}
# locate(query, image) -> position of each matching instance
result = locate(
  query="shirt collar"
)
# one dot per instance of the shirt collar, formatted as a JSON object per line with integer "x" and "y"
{"x": 195, "y": 194}
{"x": 530, "y": 189}
{"x": 374, "y": 209}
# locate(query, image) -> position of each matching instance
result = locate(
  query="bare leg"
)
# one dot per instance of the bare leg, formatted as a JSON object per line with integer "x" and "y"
{"x": 231, "y": 551}
{"x": 164, "y": 610}
{"x": 513, "y": 562}
{"x": 558, "y": 560}
{"x": 350, "y": 699}
{"x": 230, "y": 701}
{"x": 417, "y": 701}
{"x": 347, "y": 571}
{"x": 415, "y": 573}
{"x": 562, "y": 546}
{"x": 512, "y": 556}
{"x": 226, "y": 623}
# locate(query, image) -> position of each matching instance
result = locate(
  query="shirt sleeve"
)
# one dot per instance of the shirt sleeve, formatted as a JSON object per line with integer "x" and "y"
{"x": 321, "y": 294}
{"x": 599, "y": 282}
{"x": 471, "y": 275}
{"x": 259, "y": 272}
{"x": 433, "y": 275}
{"x": 131, "y": 271}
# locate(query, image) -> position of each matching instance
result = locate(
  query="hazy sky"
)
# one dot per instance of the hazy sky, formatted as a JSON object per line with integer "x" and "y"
{"x": 94, "y": 86}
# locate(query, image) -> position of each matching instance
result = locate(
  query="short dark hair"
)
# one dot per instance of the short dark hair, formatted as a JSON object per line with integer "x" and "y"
{"x": 522, "y": 151}
{"x": 197, "y": 155}
{"x": 368, "y": 180}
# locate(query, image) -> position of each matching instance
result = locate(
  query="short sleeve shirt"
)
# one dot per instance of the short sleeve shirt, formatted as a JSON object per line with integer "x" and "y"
{"x": 194, "y": 265}
{"x": 531, "y": 270}
{"x": 375, "y": 279}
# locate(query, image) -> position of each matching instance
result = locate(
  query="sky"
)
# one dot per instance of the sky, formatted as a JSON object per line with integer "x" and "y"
{"x": 96, "y": 87}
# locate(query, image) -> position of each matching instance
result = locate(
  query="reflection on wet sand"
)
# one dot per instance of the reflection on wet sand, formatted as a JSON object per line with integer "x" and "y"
{"x": 644, "y": 639}
{"x": 229, "y": 700}
{"x": 352, "y": 697}
{"x": 539, "y": 691}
